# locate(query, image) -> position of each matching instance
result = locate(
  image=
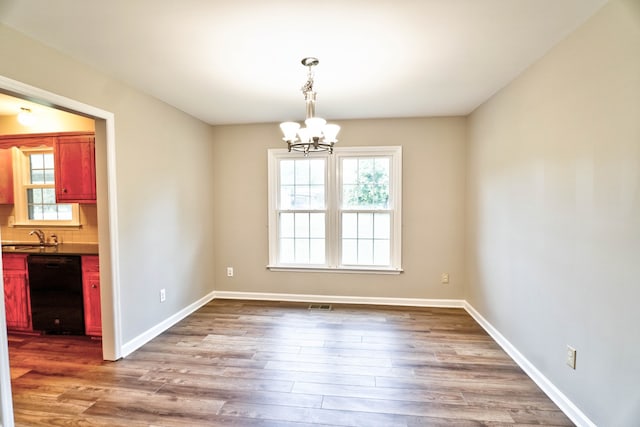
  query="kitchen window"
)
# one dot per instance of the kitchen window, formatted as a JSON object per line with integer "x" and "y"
{"x": 338, "y": 211}
{"x": 34, "y": 188}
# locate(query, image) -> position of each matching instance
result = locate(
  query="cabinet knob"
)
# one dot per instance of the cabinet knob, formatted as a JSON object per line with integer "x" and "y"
{"x": 64, "y": 190}
{"x": 94, "y": 286}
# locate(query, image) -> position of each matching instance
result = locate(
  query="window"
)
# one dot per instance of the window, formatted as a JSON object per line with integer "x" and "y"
{"x": 35, "y": 202}
{"x": 340, "y": 211}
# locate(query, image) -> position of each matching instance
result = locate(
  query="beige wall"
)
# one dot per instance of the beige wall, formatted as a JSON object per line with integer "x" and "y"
{"x": 163, "y": 175}
{"x": 554, "y": 214}
{"x": 434, "y": 154}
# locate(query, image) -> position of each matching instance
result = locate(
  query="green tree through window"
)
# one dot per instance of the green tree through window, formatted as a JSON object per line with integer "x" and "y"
{"x": 366, "y": 183}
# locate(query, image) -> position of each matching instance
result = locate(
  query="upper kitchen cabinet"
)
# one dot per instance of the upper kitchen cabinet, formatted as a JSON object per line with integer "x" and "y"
{"x": 75, "y": 169}
{"x": 6, "y": 177}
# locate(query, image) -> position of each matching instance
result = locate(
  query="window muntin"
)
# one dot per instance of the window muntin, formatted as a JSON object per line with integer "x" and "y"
{"x": 338, "y": 211}
{"x": 41, "y": 193}
{"x": 34, "y": 188}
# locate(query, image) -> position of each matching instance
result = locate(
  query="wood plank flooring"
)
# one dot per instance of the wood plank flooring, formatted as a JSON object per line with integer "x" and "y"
{"x": 245, "y": 363}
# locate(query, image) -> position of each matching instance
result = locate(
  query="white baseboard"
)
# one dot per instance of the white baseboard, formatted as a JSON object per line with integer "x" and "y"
{"x": 336, "y": 299}
{"x": 559, "y": 398}
{"x": 563, "y": 402}
{"x": 150, "y": 334}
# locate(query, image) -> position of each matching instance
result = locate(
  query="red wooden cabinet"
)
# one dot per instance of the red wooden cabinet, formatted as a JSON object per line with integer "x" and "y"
{"x": 75, "y": 169}
{"x": 6, "y": 177}
{"x": 91, "y": 295}
{"x": 16, "y": 292}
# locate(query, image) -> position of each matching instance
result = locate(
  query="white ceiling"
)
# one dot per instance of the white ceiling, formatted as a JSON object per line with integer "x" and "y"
{"x": 238, "y": 61}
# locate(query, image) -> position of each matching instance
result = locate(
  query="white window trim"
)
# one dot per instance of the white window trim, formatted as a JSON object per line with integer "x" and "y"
{"x": 20, "y": 185}
{"x": 333, "y": 225}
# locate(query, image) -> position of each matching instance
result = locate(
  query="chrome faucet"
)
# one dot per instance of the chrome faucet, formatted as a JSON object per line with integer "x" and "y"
{"x": 40, "y": 235}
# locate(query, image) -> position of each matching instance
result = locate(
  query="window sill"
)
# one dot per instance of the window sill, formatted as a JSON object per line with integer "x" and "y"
{"x": 47, "y": 225}
{"x": 360, "y": 270}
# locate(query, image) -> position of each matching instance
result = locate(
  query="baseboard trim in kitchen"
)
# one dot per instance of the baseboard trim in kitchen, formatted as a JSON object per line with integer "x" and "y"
{"x": 151, "y": 333}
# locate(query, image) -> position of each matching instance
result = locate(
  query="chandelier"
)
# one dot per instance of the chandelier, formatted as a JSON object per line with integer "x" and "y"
{"x": 317, "y": 135}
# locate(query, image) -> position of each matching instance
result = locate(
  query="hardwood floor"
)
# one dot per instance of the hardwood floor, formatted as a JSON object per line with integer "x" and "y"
{"x": 244, "y": 363}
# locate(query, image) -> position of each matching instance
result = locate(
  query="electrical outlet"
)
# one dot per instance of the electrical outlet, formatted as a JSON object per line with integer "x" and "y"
{"x": 229, "y": 271}
{"x": 571, "y": 357}
{"x": 444, "y": 278}
{"x": 163, "y": 295}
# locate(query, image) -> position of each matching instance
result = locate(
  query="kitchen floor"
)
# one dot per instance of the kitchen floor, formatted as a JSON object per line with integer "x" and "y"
{"x": 247, "y": 363}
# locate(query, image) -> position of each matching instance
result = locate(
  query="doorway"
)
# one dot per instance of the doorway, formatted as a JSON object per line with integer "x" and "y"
{"x": 107, "y": 229}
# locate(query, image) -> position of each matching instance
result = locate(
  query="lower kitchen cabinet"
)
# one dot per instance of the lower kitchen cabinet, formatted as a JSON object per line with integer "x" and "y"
{"x": 16, "y": 292}
{"x": 91, "y": 292}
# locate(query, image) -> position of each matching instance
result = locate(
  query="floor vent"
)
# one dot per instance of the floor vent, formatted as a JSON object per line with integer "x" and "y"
{"x": 320, "y": 307}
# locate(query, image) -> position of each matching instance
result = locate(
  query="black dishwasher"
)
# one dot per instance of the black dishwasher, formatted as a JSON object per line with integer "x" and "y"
{"x": 55, "y": 284}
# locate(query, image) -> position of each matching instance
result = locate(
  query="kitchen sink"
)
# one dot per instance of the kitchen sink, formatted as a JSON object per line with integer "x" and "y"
{"x": 28, "y": 247}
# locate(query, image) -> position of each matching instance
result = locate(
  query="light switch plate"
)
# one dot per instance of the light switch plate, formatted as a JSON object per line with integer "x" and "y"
{"x": 571, "y": 357}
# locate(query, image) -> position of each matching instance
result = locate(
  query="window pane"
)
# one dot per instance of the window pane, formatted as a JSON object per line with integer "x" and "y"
{"x": 316, "y": 225}
{"x": 34, "y": 195}
{"x": 287, "y": 251}
{"x": 37, "y": 161}
{"x": 381, "y": 252}
{"x": 48, "y": 195}
{"x": 365, "y": 225}
{"x": 48, "y": 176}
{"x": 37, "y": 176}
{"x": 316, "y": 197}
{"x": 301, "y": 225}
{"x": 350, "y": 171}
{"x": 365, "y": 252}
{"x": 302, "y": 251}
{"x": 349, "y": 251}
{"x": 286, "y": 196}
{"x": 50, "y": 212}
{"x": 286, "y": 225}
{"x": 301, "y": 198}
{"x": 382, "y": 226}
{"x": 316, "y": 171}
{"x": 286, "y": 172}
{"x": 48, "y": 161}
{"x": 349, "y": 225}
{"x": 65, "y": 212}
{"x": 302, "y": 172}
{"x": 381, "y": 166}
{"x": 37, "y": 212}
{"x": 316, "y": 251}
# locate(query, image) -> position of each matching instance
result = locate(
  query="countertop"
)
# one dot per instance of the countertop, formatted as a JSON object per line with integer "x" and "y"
{"x": 61, "y": 249}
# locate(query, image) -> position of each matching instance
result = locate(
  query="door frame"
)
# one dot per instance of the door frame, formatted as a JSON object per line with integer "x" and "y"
{"x": 107, "y": 231}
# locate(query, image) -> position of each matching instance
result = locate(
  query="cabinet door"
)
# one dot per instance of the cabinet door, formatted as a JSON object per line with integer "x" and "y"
{"x": 6, "y": 177}
{"x": 91, "y": 292}
{"x": 16, "y": 300}
{"x": 75, "y": 169}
